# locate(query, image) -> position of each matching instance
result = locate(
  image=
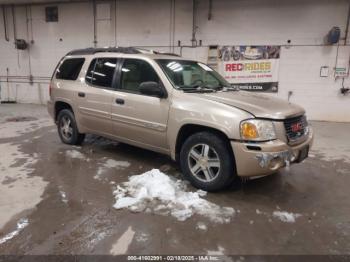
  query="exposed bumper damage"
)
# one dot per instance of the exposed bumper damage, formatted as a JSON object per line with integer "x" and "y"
{"x": 267, "y": 157}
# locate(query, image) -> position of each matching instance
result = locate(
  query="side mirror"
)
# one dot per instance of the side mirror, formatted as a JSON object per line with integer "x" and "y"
{"x": 152, "y": 89}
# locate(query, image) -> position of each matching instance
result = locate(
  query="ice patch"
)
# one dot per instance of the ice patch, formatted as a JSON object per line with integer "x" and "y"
{"x": 22, "y": 223}
{"x": 156, "y": 191}
{"x": 64, "y": 197}
{"x": 331, "y": 147}
{"x": 343, "y": 171}
{"x": 111, "y": 163}
{"x": 74, "y": 154}
{"x": 15, "y": 129}
{"x": 258, "y": 211}
{"x": 285, "y": 216}
{"x": 25, "y": 193}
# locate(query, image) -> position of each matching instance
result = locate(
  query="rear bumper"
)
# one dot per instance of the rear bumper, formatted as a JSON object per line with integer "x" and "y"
{"x": 50, "y": 109}
{"x": 267, "y": 157}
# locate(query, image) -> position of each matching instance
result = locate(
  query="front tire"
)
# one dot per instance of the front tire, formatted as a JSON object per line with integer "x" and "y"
{"x": 67, "y": 128}
{"x": 207, "y": 161}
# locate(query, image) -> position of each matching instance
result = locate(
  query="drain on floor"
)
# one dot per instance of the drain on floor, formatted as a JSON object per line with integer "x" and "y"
{"x": 21, "y": 119}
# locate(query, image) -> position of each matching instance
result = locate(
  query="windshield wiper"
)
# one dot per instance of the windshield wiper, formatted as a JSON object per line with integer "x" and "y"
{"x": 230, "y": 88}
{"x": 197, "y": 89}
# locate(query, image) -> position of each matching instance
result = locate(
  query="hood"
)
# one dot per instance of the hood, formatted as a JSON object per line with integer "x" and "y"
{"x": 261, "y": 106}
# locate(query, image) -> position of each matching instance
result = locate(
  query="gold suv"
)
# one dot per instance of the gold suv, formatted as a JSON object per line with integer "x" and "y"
{"x": 177, "y": 107}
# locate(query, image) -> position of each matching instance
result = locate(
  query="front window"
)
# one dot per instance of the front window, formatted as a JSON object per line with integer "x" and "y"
{"x": 192, "y": 75}
{"x": 134, "y": 72}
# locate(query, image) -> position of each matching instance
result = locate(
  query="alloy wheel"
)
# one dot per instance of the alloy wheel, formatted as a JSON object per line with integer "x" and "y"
{"x": 204, "y": 162}
{"x": 66, "y": 128}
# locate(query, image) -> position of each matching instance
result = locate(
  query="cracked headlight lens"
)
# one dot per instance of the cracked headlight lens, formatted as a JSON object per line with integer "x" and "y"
{"x": 257, "y": 130}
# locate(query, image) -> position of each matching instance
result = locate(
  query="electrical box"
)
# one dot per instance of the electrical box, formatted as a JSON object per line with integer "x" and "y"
{"x": 21, "y": 44}
{"x": 333, "y": 36}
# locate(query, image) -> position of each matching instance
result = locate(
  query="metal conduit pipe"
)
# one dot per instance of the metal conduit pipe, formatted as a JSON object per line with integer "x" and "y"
{"x": 14, "y": 22}
{"x": 210, "y": 9}
{"x": 347, "y": 26}
{"x": 95, "y": 22}
{"x": 194, "y": 26}
{"x": 5, "y": 23}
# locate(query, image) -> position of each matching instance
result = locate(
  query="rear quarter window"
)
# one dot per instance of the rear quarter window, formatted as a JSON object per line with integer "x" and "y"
{"x": 70, "y": 69}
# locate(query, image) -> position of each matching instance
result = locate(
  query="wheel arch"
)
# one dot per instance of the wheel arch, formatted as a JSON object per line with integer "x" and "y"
{"x": 189, "y": 129}
{"x": 59, "y": 106}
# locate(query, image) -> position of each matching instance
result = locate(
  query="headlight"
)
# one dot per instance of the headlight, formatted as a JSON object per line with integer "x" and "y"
{"x": 257, "y": 130}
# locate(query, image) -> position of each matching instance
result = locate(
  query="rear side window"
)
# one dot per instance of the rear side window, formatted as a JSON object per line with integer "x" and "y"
{"x": 70, "y": 69}
{"x": 101, "y": 72}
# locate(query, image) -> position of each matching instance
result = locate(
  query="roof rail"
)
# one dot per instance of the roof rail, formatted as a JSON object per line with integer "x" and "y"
{"x": 123, "y": 50}
{"x": 165, "y": 53}
{"x": 92, "y": 50}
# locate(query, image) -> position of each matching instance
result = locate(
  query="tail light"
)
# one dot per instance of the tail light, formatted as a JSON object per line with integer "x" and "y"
{"x": 50, "y": 89}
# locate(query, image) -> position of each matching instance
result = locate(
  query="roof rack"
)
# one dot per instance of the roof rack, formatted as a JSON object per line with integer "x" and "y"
{"x": 123, "y": 50}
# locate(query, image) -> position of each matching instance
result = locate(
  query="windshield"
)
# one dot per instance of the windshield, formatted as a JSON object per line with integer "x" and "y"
{"x": 192, "y": 75}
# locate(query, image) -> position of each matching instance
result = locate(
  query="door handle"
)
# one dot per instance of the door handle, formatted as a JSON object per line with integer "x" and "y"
{"x": 120, "y": 101}
{"x": 81, "y": 94}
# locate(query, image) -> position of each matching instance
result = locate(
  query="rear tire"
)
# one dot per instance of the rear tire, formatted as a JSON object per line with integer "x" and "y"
{"x": 67, "y": 128}
{"x": 207, "y": 161}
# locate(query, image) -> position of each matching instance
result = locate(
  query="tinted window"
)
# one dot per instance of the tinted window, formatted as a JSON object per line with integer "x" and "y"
{"x": 101, "y": 72}
{"x": 134, "y": 72}
{"x": 70, "y": 69}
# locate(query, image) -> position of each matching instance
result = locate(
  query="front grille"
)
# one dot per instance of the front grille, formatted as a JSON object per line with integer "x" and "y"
{"x": 296, "y": 128}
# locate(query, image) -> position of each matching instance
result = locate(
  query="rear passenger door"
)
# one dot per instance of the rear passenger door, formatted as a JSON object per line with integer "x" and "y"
{"x": 137, "y": 118}
{"x": 94, "y": 100}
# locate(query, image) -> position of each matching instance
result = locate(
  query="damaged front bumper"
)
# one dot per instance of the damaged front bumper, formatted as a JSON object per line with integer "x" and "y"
{"x": 260, "y": 159}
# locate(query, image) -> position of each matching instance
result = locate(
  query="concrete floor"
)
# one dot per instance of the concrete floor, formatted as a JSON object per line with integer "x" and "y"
{"x": 54, "y": 201}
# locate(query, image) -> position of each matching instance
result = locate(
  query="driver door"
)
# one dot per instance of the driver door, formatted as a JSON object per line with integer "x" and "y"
{"x": 137, "y": 118}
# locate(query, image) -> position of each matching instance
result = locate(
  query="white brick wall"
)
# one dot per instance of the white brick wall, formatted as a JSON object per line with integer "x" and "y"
{"x": 148, "y": 23}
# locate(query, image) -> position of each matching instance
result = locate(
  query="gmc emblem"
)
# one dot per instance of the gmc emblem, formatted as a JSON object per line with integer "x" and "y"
{"x": 296, "y": 127}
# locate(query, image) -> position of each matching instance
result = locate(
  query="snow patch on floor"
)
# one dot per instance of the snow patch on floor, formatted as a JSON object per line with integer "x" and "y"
{"x": 75, "y": 154}
{"x": 286, "y": 216}
{"x": 202, "y": 226}
{"x": 64, "y": 197}
{"x": 143, "y": 237}
{"x": 219, "y": 252}
{"x": 157, "y": 192}
{"x": 22, "y": 223}
{"x": 26, "y": 190}
{"x": 122, "y": 245}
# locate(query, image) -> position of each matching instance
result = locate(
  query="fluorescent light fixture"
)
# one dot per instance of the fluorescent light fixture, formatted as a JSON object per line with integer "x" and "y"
{"x": 110, "y": 64}
{"x": 170, "y": 64}
{"x": 99, "y": 74}
{"x": 205, "y": 67}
